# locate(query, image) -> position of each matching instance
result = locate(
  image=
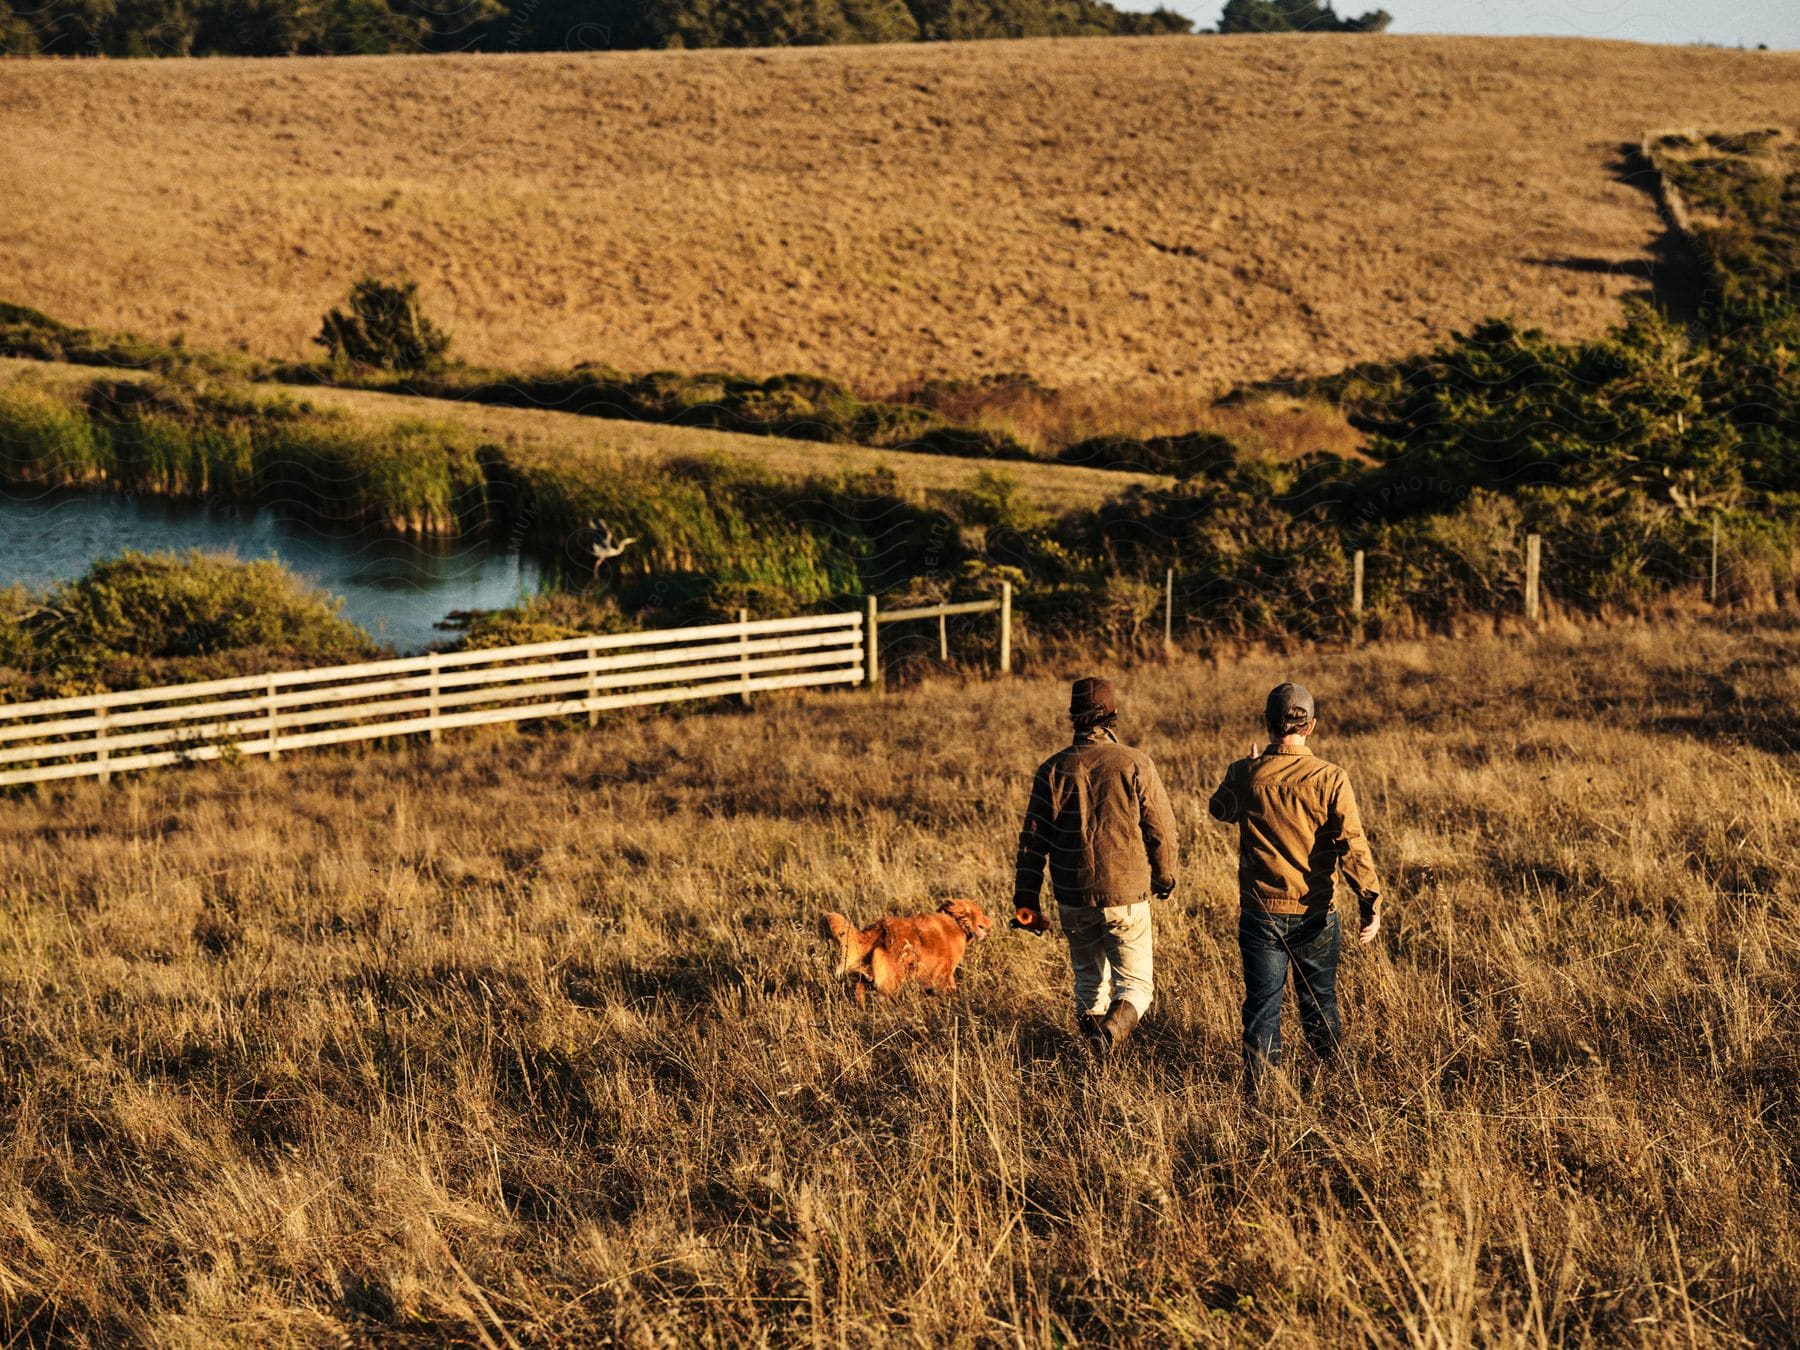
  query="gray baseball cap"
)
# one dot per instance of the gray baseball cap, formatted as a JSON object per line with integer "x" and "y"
{"x": 1286, "y": 700}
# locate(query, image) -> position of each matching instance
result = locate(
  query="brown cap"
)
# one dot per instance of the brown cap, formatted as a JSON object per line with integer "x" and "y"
{"x": 1092, "y": 696}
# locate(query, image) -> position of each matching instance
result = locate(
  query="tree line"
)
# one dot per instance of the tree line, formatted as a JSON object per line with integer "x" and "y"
{"x": 128, "y": 28}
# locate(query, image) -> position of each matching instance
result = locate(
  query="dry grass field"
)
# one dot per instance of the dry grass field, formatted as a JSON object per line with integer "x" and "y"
{"x": 1161, "y": 214}
{"x": 525, "y": 1038}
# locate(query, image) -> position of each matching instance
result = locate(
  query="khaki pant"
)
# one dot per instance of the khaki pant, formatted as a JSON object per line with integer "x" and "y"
{"x": 1110, "y": 952}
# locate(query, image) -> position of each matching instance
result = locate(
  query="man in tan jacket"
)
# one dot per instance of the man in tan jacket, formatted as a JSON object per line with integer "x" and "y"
{"x": 1297, "y": 821}
{"x": 1100, "y": 816}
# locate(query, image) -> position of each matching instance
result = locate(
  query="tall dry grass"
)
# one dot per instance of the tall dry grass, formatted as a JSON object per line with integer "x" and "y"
{"x": 527, "y": 1038}
{"x": 1121, "y": 212}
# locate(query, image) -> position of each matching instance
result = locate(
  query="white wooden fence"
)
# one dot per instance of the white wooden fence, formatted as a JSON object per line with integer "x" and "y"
{"x": 101, "y": 734}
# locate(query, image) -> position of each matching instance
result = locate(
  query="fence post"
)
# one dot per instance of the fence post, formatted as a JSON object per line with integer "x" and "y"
{"x": 274, "y": 721}
{"x": 1534, "y": 549}
{"x": 1712, "y": 589}
{"x": 593, "y": 692}
{"x": 871, "y": 646}
{"x": 1006, "y": 628}
{"x": 1356, "y": 585}
{"x": 433, "y": 731}
{"x": 1169, "y": 612}
{"x": 943, "y": 641}
{"x": 100, "y": 754}
{"x": 744, "y": 655}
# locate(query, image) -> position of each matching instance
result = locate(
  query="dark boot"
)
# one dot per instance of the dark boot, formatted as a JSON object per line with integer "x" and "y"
{"x": 1087, "y": 1028}
{"x": 1110, "y": 1031}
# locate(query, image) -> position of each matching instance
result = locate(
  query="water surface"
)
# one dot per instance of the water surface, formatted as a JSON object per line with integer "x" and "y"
{"x": 394, "y": 587}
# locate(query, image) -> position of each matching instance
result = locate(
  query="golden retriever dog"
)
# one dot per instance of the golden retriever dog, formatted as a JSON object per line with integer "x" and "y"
{"x": 891, "y": 952}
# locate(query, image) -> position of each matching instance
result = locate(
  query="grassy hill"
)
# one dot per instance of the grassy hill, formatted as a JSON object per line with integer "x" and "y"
{"x": 1154, "y": 214}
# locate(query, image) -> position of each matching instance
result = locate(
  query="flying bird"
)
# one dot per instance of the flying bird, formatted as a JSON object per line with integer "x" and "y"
{"x": 604, "y": 547}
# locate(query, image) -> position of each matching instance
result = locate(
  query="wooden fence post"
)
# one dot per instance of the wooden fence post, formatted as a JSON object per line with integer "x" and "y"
{"x": 1534, "y": 551}
{"x": 943, "y": 640}
{"x": 1712, "y": 589}
{"x": 1169, "y": 611}
{"x": 871, "y": 644}
{"x": 1356, "y": 585}
{"x": 744, "y": 657}
{"x": 433, "y": 731}
{"x": 593, "y": 693}
{"x": 274, "y": 721}
{"x": 100, "y": 744}
{"x": 1006, "y": 628}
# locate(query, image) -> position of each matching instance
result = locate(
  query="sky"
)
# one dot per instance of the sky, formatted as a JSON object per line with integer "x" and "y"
{"x": 1728, "y": 23}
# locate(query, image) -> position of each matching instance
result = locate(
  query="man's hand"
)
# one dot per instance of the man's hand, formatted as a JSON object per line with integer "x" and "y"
{"x": 1031, "y": 920}
{"x": 1371, "y": 928}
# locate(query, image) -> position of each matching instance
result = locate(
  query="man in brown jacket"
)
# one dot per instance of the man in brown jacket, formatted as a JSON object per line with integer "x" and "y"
{"x": 1297, "y": 821}
{"x": 1099, "y": 814}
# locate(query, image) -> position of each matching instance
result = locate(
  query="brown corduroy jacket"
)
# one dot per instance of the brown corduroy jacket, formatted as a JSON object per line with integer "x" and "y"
{"x": 1296, "y": 819}
{"x": 1099, "y": 814}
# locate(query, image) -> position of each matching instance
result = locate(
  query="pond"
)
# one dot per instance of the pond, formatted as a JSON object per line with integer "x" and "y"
{"x": 394, "y": 587}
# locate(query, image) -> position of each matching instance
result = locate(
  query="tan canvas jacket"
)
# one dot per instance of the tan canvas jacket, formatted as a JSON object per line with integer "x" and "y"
{"x": 1296, "y": 819}
{"x": 1099, "y": 814}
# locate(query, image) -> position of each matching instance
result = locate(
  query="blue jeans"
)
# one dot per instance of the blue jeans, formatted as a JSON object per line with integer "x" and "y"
{"x": 1270, "y": 944}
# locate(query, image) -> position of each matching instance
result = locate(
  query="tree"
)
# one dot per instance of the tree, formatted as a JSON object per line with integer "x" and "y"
{"x": 384, "y": 328}
{"x": 1296, "y": 16}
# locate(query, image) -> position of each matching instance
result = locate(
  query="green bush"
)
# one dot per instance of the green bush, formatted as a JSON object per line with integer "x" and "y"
{"x": 195, "y": 604}
{"x": 17, "y": 606}
{"x": 150, "y": 619}
{"x": 1183, "y": 456}
{"x": 969, "y": 443}
{"x": 994, "y": 500}
{"x": 543, "y": 618}
{"x": 384, "y": 328}
{"x": 1506, "y": 408}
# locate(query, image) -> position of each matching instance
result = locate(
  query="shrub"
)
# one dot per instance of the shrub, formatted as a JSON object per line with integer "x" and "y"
{"x": 994, "y": 500}
{"x": 150, "y": 619}
{"x": 1506, "y": 408}
{"x": 384, "y": 328}
{"x": 971, "y": 442}
{"x": 196, "y": 604}
{"x": 17, "y": 605}
{"x": 543, "y": 618}
{"x": 1195, "y": 452}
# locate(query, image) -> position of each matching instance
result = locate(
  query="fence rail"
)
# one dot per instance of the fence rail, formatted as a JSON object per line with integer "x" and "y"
{"x": 98, "y": 735}
{"x": 874, "y": 616}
